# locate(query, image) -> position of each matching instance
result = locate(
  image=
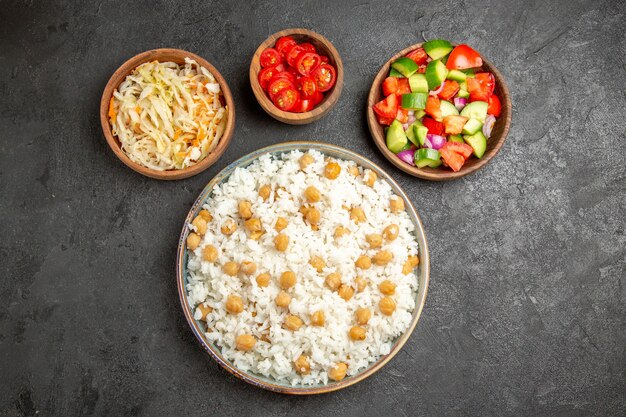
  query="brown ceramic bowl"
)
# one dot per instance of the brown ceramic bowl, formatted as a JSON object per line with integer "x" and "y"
{"x": 324, "y": 47}
{"x": 494, "y": 143}
{"x": 198, "y": 327}
{"x": 163, "y": 55}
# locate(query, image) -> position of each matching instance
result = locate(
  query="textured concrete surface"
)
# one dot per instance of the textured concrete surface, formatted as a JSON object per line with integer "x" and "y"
{"x": 526, "y": 310}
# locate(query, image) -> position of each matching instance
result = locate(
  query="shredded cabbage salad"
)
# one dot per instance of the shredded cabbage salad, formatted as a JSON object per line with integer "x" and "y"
{"x": 168, "y": 116}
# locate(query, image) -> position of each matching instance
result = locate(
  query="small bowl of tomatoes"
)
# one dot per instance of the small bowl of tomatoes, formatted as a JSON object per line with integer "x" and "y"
{"x": 439, "y": 111}
{"x": 296, "y": 76}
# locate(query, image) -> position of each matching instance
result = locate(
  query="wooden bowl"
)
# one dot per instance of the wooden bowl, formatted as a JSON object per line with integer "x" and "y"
{"x": 324, "y": 47}
{"x": 198, "y": 327}
{"x": 163, "y": 55}
{"x": 494, "y": 143}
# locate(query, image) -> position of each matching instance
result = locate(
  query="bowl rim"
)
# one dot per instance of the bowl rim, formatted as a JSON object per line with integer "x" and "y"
{"x": 330, "y": 100}
{"x": 424, "y": 271}
{"x": 118, "y": 77}
{"x": 435, "y": 174}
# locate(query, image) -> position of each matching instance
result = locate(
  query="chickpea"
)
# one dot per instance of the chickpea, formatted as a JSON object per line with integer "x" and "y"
{"x": 340, "y": 231}
{"x": 391, "y": 232}
{"x": 234, "y": 304}
{"x": 265, "y": 191}
{"x": 338, "y": 372}
{"x": 200, "y": 224}
{"x": 248, "y": 267}
{"x": 363, "y": 315}
{"x": 293, "y": 323}
{"x": 375, "y": 240}
{"x": 209, "y": 253}
{"x": 369, "y": 177}
{"x": 357, "y": 333}
{"x": 283, "y": 299}
{"x": 332, "y": 170}
{"x": 205, "y": 310}
{"x": 353, "y": 170}
{"x": 205, "y": 215}
{"x": 313, "y": 216}
{"x": 346, "y": 292}
{"x": 363, "y": 262}
{"x": 263, "y": 280}
{"x": 305, "y": 161}
{"x": 318, "y": 318}
{"x": 245, "y": 209}
{"x": 231, "y": 268}
{"x": 193, "y": 241}
{"x": 253, "y": 225}
{"x": 228, "y": 227}
{"x": 396, "y": 204}
{"x": 407, "y": 267}
{"x": 312, "y": 194}
{"x": 383, "y": 257}
{"x": 302, "y": 366}
{"x": 287, "y": 280}
{"x": 414, "y": 260}
{"x": 317, "y": 263}
{"x": 357, "y": 214}
{"x": 281, "y": 241}
{"x": 281, "y": 223}
{"x": 304, "y": 210}
{"x": 387, "y": 306}
{"x": 245, "y": 342}
{"x": 333, "y": 280}
{"x": 360, "y": 284}
{"x": 387, "y": 287}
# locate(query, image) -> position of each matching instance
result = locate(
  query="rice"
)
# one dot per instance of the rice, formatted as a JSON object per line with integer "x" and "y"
{"x": 277, "y": 348}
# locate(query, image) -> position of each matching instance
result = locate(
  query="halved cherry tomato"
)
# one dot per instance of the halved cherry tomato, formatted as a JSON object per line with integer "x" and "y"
{"x": 402, "y": 115}
{"x": 450, "y": 88}
{"x": 418, "y": 55}
{"x": 453, "y": 159}
{"x": 453, "y": 125}
{"x": 385, "y": 121}
{"x": 434, "y": 127}
{"x": 286, "y": 99}
{"x": 269, "y": 58}
{"x": 324, "y": 76}
{"x": 293, "y": 54}
{"x": 284, "y": 74}
{"x": 422, "y": 68}
{"x": 462, "y": 148}
{"x": 283, "y": 43}
{"x": 306, "y": 87}
{"x": 308, "y": 47}
{"x": 463, "y": 57}
{"x": 277, "y": 85}
{"x": 390, "y": 86}
{"x": 495, "y": 107}
{"x": 317, "y": 98}
{"x": 403, "y": 86}
{"x": 387, "y": 108}
{"x": 307, "y": 62}
{"x": 266, "y": 75}
{"x": 303, "y": 106}
{"x": 481, "y": 87}
{"x": 433, "y": 107}
{"x": 324, "y": 58}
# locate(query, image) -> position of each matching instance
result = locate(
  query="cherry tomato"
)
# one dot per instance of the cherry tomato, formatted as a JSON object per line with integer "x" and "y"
{"x": 286, "y": 99}
{"x": 324, "y": 58}
{"x": 303, "y": 106}
{"x": 450, "y": 88}
{"x": 307, "y": 62}
{"x": 265, "y": 76}
{"x": 277, "y": 85}
{"x": 293, "y": 54}
{"x": 463, "y": 57}
{"x": 306, "y": 87}
{"x": 495, "y": 107}
{"x": 269, "y": 58}
{"x": 387, "y": 108}
{"x": 433, "y": 126}
{"x": 283, "y": 43}
{"x": 317, "y": 98}
{"x": 324, "y": 76}
{"x": 418, "y": 55}
{"x": 385, "y": 121}
{"x": 308, "y": 47}
{"x": 481, "y": 87}
{"x": 284, "y": 74}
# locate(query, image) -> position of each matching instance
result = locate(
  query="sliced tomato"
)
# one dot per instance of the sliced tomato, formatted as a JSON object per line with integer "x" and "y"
{"x": 306, "y": 87}
{"x": 283, "y": 43}
{"x": 434, "y": 127}
{"x": 285, "y": 74}
{"x": 481, "y": 87}
{"x": 403, "y": 86}
{"x": 461, "y": 148}
{"x": 270, "y": 58}
{"x": 453, "y": 125}
{"x": 302, "y": 106}
{"x": 286, "y": 99}
{"x": 307, "y": 62}
{"x": 324, "y": 76}
{"x": 266, "y": 74}
{"x": 433, "y": 107}
{"x": 324, "y": 58}
{"x": 402, "y": 115}
{"x": 390, "y": 85}
{"x": 463, "y": 57}
{"x": 308, "y": 47}
{"x": 293, "y": 54}
{"x": 277, "y": 85}
{"x": 450, "y": 88}
{"x": 421, "y": 69}
{"x": 317, "y": 98}
{"x": 387, "y": 108}
{"x": 495, "y": 107}
{"x": 385, "y": 121}
{"x": 453, "y": 159}
{"x": 418, "y": 55}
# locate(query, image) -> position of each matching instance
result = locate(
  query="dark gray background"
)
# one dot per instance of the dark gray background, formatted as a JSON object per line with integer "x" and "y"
{"x": 526, "y": 309}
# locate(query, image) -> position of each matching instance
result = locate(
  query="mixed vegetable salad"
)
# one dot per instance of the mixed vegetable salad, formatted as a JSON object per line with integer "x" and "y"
{"x": 438, "y": 109}
{"x": 295, "y": 76}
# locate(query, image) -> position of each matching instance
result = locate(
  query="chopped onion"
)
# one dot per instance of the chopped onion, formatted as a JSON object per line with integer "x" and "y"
{"x": 411, "y": 119}
{"x": 436, "y": 141}
{"x": 488, "y": 125}
{"x": 407, "y": 156}
{"x": 411, "y": 113}
{"x": 437, "y": 91}
{"x": 459, "y": 103}
{"x": 405, "y": 126}
{"x": 427, "y": 143}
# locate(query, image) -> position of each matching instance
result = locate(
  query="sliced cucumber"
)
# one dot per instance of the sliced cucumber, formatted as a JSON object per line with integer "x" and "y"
{"x": 462, "y": 94}
{"x": 456, "y": 75}
{"x": 437, "y": 48}
{"x": 418, "y": 83}
{"x": 419, "y": 114}
{"x": 478, "y": 142}
{"x": 472, "y": 126}
{"x": 394, "y": 73}
{"x": 427, "y": 157}
{"x": 456, "y": 138}
{"x": 448, "y": 109}
{"x": 436, "y": 72}
{"x": 405, "y": 66}
{"x": 469, "y": 72}
{"x": 419, "y": 132}
{"x": 476, "y": 110}
{"x": 414, "y": 101}
{"x": 396, "y": 139}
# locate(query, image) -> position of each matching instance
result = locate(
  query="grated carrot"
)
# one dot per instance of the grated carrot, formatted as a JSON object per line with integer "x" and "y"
{"x": 112, "y": 112}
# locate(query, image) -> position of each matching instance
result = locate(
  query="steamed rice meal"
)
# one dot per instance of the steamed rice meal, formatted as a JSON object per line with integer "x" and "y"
{"x": 168, "y": 116}
{"x": 303, "y": 268}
